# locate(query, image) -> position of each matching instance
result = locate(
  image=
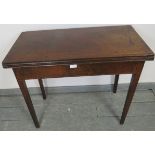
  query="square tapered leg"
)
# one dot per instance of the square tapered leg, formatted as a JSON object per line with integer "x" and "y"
{"x": 42, "y": 88}
{"x": 115, "y": 83}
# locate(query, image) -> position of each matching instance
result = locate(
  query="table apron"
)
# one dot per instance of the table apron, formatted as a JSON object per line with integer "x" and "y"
{"x": 91, "y": 69}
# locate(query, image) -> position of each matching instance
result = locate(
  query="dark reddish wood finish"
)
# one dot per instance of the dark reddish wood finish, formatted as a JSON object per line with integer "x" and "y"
{"x": 81, "y": 70}
{"x": 96, "y": 51}
{"x": 81, "y": 45}
{"x": 28, "y": 101}
{"x": 42, "y": 88}
{"x": 131, "y": 91}
{"x": 115, "y": 83}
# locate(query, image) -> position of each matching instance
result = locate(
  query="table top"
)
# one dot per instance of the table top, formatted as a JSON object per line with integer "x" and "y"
{"x": 78, "y": 45}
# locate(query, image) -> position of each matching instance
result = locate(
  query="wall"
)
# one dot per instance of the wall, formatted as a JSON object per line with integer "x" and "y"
{"x": 9, "y": 33}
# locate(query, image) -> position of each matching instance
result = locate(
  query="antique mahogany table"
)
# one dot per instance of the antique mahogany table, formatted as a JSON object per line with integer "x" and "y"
{"x": 94, "y": 51}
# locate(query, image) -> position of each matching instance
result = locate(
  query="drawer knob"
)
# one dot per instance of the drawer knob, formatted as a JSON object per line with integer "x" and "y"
{"x": 73, "y": 66}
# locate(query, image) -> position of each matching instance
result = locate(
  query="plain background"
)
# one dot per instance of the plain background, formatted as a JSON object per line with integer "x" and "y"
{"x": 9, "y": 33}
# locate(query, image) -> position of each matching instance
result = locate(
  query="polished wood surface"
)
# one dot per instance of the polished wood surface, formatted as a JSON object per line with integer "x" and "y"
{"x": 115, "y": 83}
{"x": 42, "y": 88}
{"x": 80, "y": 45}
{"x": 28, "y": 73}
{"x": 111, "y": 50}
{"x": 131, "y": 91}
{"x": 26, "y": 95}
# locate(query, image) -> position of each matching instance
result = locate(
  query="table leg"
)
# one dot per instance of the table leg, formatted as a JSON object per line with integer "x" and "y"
{"x": 131, "y": 91}
{"x": 28, "y": 101}
{"x": 42, "y": 88}
{"x": 115, "y": 83}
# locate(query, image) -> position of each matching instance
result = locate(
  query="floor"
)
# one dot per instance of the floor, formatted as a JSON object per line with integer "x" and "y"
{"x": 93, "y": 111}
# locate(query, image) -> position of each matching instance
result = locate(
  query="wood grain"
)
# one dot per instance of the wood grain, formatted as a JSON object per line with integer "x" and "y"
{"x": 81, "y": 70}
{"x": 80, "y": 45}
{"x": 111, "y": 50}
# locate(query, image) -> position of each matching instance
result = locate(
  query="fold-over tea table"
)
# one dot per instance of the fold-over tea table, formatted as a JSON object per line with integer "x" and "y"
{"x": 76, "y": 52}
